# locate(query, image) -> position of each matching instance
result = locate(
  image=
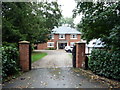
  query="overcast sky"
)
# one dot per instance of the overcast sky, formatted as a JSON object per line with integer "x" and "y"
{"x": 67, "y": 7}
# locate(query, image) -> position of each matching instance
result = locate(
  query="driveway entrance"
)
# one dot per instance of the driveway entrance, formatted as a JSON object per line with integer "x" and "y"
{"x": 54, "y": 59}
{"x": 49, "y": 72}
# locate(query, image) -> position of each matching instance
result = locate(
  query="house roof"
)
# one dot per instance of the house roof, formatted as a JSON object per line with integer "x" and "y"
{"x": 65, "y": 30}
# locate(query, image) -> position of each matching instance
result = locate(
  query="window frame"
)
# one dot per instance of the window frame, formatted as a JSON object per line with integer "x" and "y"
{"x": 60, "y": 36}
{"x": 49, "y": 45}
{"x": 71, "y": 36}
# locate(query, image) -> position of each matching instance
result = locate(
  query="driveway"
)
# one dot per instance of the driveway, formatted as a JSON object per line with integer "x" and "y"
{"x": 54, "y": 59}
{"x": 53, "y": 71}
{"x": 53, "y": 78}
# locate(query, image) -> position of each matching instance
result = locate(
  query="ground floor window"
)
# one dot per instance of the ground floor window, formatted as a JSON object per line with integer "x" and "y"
{"x": 50, "y": 44}
{"x": 72, "y": 44}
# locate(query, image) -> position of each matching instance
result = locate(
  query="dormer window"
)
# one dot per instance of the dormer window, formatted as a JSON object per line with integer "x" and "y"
{"x": 73, "y": 36}
{"x": 62, "y": 36}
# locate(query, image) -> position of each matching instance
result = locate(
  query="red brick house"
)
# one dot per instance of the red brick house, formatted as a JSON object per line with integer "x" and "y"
{"x": 61, "y": 37}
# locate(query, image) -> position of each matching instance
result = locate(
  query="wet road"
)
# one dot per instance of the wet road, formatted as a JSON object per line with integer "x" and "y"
{"x": 53, "y": 78}
{"x": 53, "y": 71}
{"x": 54, "y": 59}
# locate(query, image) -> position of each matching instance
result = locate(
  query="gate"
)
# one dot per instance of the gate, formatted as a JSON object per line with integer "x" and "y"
{"x": 30, "y": 52}
{"x": 74, "y": 56}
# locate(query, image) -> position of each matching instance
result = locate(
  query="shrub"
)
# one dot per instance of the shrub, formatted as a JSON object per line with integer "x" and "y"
{"x": 50, "y": 49}
{"x": 105, "y": 63}
{"x": 10, "y": 63}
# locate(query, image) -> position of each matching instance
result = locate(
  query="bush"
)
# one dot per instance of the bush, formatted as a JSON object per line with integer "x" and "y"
{"x": 10, "y": 63}
{"x": 50, "y": 49}
{"x": 14, "y": 45}
{"x": 105, "y": 63}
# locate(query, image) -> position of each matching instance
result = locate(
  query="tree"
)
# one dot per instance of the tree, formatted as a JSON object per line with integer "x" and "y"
{"x": 29, "y": 21}
{"x": 100, "y": 20}
{"x": 67, "y": 21}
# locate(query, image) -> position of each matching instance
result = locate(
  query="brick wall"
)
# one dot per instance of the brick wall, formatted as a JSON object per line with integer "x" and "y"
{"x": 72, "y": 40}
{"x": 42, "y": 46}
{"x": 56, "y": 38}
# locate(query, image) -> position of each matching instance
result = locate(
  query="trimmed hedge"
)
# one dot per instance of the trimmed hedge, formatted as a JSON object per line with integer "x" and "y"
{"x": 105, "y": 63}
{"x": 50, "y": 49}
{"x": 10, "y": 63}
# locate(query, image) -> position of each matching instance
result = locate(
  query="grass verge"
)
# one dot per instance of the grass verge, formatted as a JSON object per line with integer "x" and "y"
{"x": 37, "y": 56}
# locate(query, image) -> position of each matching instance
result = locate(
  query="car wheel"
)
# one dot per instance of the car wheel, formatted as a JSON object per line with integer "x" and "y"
{"x": 69, "y": 51}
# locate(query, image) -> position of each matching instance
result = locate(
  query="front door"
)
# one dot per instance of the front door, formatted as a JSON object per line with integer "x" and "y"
{"x": 62, "y": 45}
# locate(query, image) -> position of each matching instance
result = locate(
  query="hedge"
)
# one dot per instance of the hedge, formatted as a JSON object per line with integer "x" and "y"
{"x": 105, "y": 63}
{"x": 10, "y": 61}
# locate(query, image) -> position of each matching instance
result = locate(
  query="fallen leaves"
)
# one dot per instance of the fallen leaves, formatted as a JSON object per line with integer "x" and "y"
{"x": 63, "y": 84}
{"x": 44, "y": 83}
{"x": 29, "y": 77}
{"x": 103, "y": 80}
{"x": 59, "y": 73}
{"x": 78, "y": 75}
{"x": 80, "y": 84}
{"x": 22, "y": 78}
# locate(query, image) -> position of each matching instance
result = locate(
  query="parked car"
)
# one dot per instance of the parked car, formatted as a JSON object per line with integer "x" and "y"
{"x": 68, "y": 49}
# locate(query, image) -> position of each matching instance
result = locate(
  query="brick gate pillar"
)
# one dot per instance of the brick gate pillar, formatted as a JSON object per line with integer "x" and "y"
{"x": 80, "y": 54}
{"x": 24, "y": 53}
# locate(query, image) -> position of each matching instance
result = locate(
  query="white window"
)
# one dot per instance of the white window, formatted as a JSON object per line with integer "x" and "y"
{"x": 51, "y": 36}
{"x": 72, "y": 44}
{"x": 62, "y": 36}
{"x": 73, "y": 36}
{"x": 50, "y": 44}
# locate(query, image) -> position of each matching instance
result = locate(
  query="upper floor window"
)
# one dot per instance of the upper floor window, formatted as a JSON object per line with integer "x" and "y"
{"x": 51, "y": 36}
{"x": 50, "y": 44}
{"x": 73, "y": 36}
{"x": 62, "y": 36}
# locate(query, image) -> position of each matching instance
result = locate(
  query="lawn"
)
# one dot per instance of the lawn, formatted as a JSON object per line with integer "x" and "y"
{"x": 37, "y": 56}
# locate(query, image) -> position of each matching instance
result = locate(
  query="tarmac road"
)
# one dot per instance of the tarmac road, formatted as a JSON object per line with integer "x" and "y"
{"x": 53, "y": 71}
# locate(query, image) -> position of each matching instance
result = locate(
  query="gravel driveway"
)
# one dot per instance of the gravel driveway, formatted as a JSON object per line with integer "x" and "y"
{"x": 54, "y": 59}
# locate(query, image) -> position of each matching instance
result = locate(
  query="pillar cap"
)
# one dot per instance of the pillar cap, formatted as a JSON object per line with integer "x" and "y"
{"x": 22, "y": 42}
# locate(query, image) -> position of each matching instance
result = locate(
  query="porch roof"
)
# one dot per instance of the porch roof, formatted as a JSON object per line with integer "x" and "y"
{"x": 62, "y": 41}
